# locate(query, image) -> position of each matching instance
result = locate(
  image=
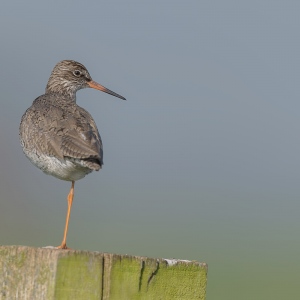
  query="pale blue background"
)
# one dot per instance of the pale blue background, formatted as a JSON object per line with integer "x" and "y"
{"x": 201, "y": 162}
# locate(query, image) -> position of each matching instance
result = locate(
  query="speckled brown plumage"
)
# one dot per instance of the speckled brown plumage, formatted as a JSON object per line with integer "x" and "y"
{"x": 55, "y": 126}
{"x": 60, "y": 137}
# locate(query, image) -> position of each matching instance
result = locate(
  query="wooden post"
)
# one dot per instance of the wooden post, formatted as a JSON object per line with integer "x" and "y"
{"x": 47, "y": 273}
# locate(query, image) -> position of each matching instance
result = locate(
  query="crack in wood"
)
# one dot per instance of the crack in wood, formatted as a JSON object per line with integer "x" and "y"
{"x": 153, "y": 273}
{"x": 141, "y": 274}
{"x": 103, "y": 267}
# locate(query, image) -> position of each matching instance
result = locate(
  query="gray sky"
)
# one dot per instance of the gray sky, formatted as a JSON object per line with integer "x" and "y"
{"x": 202, "y": 160}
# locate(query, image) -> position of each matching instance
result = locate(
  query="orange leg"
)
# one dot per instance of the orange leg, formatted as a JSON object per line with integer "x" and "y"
{"x": 70, "y": 201}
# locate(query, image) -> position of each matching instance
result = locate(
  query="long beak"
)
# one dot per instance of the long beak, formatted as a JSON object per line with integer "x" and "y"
{"x": 97, "y": 86}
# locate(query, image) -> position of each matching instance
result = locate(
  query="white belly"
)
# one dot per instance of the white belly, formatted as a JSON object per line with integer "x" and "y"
{"x": 62, "y": 169}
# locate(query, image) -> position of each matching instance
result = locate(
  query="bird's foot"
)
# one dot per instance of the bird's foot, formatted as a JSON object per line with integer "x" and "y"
{"x": 63, "y": 246}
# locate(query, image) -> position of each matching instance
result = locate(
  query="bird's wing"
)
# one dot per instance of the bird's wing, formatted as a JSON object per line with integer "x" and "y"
{"x": 68, "y": 133}
{"x": 82, "y": 139}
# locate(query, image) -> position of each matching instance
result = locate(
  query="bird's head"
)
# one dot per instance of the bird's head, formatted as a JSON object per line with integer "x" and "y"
{"x": 69, "y": 76}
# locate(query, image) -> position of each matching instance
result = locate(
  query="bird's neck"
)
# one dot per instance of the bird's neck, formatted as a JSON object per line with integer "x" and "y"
{"x": 61, "y": 86}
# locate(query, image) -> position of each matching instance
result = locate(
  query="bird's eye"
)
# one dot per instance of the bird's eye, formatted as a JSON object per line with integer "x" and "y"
{"x": 77, "y": 73}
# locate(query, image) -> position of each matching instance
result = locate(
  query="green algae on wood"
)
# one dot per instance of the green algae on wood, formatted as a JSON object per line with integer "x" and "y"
{"x": 43, "y": 273}
{"x": 145, "y": 278}
{"x": 79, "y": 276}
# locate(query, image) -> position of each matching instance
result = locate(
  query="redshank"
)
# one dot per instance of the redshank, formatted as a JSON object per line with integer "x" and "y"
{"x": 60, "y": 137}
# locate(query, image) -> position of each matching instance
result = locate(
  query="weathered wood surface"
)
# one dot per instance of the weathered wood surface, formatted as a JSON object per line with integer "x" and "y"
{"x": 43, "y": 273}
